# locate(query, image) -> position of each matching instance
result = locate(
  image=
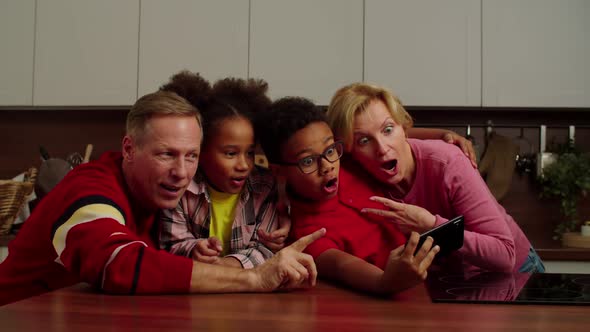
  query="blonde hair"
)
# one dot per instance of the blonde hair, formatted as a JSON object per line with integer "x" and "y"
{"x": 353, "y": 99}
{"x": 160, "y": 103}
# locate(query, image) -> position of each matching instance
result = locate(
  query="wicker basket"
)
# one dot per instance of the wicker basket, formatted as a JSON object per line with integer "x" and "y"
{"x": 13, "y": 195}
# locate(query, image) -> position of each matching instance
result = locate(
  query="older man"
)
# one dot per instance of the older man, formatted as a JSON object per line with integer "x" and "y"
{"x": 98, "y": 225}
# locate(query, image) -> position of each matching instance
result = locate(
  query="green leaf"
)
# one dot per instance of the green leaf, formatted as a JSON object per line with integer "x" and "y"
{"x": 567, "y": 178}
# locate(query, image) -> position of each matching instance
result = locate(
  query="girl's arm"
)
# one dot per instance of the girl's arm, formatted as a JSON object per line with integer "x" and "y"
{"x": 253, "y": 254}
{"x": 175, "y": 234}
{"x": 275, "y": 240}
{"x": 252, "y": 251}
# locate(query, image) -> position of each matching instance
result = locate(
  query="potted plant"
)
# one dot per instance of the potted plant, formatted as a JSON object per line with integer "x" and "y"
{"x": 567, "y": 178}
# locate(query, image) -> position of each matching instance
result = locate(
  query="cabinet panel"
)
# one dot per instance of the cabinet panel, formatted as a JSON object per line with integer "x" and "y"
{"x": 427, "y": 52}
{"x": 209, "y": 37}
{"x": 17, "y": 32}
{"x": 86, "y": 52}
{"x": 535, "y": 53}
{"x": 306, "y": 48}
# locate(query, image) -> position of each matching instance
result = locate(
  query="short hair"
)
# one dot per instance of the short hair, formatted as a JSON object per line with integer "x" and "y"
{"x": 228, "y": 98}
{"x": 281, "y": 121}
{"x": 353, "y": 99}
{"x": 160, "y": 103}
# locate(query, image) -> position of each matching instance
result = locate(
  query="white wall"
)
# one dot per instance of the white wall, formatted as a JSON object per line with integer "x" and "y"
{"x": 17, "y": 32}
{"x": 86, "y": 52}
{"x": 427, "y": 52}
{"x": 308, "y": 48}
{"x": 536, "y": 53}
{"x": 209, "y": 37}
{"x": 440, "y": 53}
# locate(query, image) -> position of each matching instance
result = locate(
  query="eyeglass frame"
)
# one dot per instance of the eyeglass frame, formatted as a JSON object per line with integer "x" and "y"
{"x": 334, "y": 145}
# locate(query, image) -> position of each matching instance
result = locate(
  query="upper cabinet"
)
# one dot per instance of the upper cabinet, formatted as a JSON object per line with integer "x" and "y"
{"x": 86, "y": 52}
{"x": 427, "y": 52}
{"x": 536, "y": 53}
{"x": 209, "y": 37}
{"x": 17, "y": 35}
{"x": 306, "y": 48}
{"x": 526, "y": 53}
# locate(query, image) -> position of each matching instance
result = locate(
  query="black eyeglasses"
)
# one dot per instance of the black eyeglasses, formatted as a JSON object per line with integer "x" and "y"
{"x": 311, "y": 163}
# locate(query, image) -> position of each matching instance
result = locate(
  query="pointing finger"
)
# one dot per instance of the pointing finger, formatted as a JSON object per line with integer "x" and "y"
{"x": 379, "y": 212}
{"x": 387, "y": 202}
{"x": 303, "y": 242}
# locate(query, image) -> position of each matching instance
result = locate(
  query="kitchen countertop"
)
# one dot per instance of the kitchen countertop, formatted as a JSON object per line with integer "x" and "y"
{"x": 555, "y": 253}
{"x": 323, "y": 308}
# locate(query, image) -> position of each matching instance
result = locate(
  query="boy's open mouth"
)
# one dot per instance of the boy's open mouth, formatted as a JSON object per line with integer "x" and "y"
{"x": 331, "y": 183}
{"x": 389, "y": 165}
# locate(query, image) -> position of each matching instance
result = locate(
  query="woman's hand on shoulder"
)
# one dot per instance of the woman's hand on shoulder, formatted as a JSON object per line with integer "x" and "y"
{"x": 448, "y": 136}
{"x": 463, "y": 143}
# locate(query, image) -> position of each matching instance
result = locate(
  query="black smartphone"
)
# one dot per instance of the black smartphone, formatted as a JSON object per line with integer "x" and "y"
{"x": 448, "y": 236}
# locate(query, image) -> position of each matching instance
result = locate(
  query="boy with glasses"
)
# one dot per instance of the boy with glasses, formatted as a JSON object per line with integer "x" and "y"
{"x": 363, "y": 252}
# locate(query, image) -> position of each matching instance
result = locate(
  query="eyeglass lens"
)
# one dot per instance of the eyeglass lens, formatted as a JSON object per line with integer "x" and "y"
{"x": 311, "y": 163}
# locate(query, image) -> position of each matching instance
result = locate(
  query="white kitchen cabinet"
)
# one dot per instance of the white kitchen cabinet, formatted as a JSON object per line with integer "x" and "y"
{"x": 209, "y": 37}
{"x": 427, "y": 52}
{"x": 536, "y": 53}
{"x": 306, "y": 48}
{"x": 86, "y": 52}
{"x": 17, "y": 33}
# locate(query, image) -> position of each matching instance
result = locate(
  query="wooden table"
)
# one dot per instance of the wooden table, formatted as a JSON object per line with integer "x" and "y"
{"x": 324, "y": 308}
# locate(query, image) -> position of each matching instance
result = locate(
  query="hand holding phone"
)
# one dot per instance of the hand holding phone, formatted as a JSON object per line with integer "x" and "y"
{"x": 448, "y": 236}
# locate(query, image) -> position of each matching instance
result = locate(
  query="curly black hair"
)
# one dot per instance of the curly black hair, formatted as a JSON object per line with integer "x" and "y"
{"x": 246, "y": 95}
{"x": 228, "y": 98}
{"x": 282, "y": 120}
{"x": 190, "y": 86}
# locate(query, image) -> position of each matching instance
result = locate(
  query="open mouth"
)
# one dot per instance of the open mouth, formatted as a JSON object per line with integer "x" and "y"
{"x": 171, "y": 192}
{"x": 389, "y": 165}
{"x": 331, "y": 183}
{"x": 238, "y": 181}
{"x": 172, "y": 189}
{"x": 331, "y": 186}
